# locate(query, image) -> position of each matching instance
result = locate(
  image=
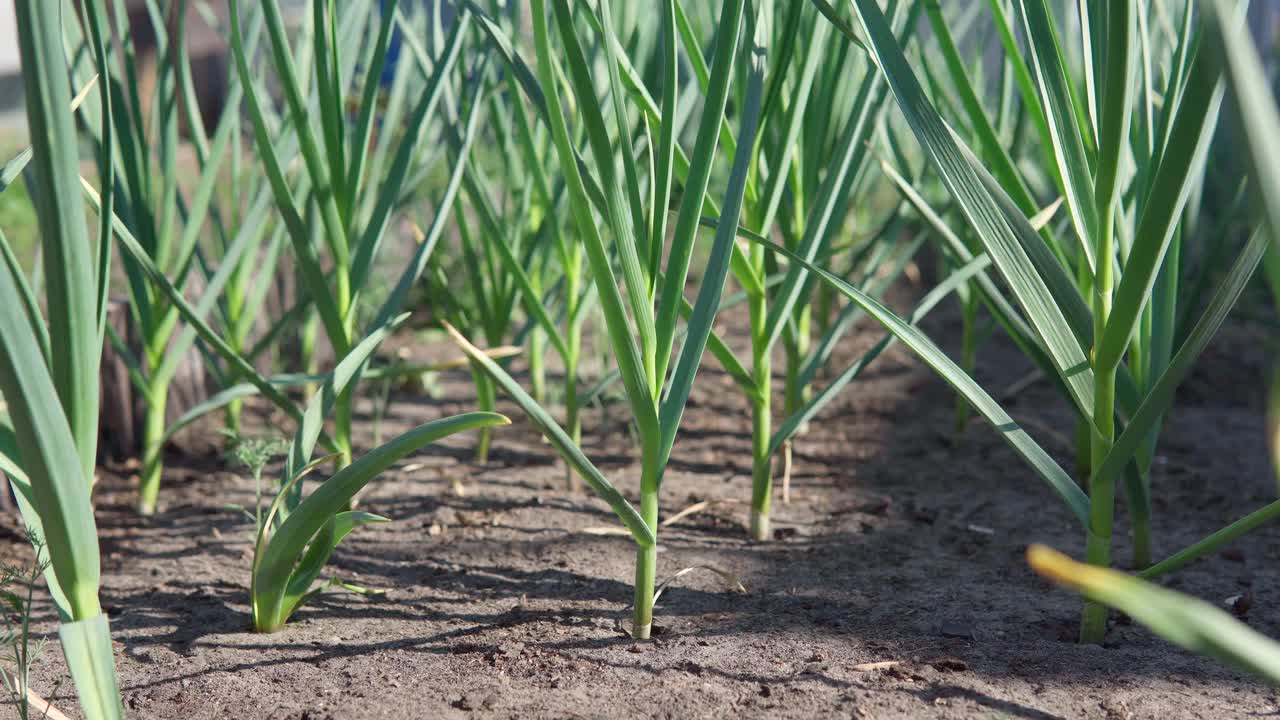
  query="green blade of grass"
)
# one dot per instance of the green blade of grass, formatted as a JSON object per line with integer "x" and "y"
{"x": 389, "y": 193}
{"x": 664, "y": 153}
{"x": 1071, "y": 147}
{"x": 91, "y": 663}
{"x": 1259, "y": 117}
{"x": 319, "y": 551}
{"x": 1182, "y": 620}
{"x": 639, "y": 220}
{"x": 190, "y": 314}
{"x": 295, "y": 99}
{"x": 59, "y": 487}
{"x": 881, "y": 274}
{"x": 95, "y": 19}
{"x": 369, "y": 101}
{"x": 978, "y": 399}
{"x": 1022, "y": 78}
{"x": 1000, "y": 308}
{"x": 530, "y": 84}
{"x": 792, "y": 121}
{"x": 992, "y": 149}
{"x": 559, "y": 439}
{"x": 417, "y": 265}
{"x": 1158, "y": 400}
{"x": 822, "y": 398}
{"x": 1173, "y": 182}
{"x": 981, "y": 211}
{"x": 615, "y": 212}
{"x": 328, "y": 78}
{"x": 71, "y": 294}
{"x": 344, "y": 374}
{"x": 1214, "y": 542}
{"x": 695, "y": 187}
{"x": 823, "y": 217}
{"x": 708, "y": 301}
{"x": 30, "y": 305}
{"x": 628, "y": 355}
{"x": 278, "y": 560}
{"x": 304, "y": 251}
{"x": 1064, "y": 290}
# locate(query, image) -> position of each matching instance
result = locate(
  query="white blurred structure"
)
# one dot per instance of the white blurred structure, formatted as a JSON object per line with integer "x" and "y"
{"x": 11, "y": 117}
{"x": 8, "y": 41}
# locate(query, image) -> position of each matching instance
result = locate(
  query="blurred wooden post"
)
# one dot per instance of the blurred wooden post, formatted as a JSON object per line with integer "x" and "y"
{"x": 122, "y": 408}
{"x": 118, "y": 416}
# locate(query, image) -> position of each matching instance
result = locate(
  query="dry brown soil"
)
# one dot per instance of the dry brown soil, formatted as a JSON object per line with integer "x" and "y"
{"x": 901, "y": 546}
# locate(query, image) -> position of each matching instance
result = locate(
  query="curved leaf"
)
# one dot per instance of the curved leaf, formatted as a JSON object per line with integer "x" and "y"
{"x": 280, "y": 555}
{"x": 978, "y": 399}
{"x": 559, "y": 439}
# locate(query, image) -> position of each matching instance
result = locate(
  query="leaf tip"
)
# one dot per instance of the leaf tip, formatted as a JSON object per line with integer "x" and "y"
{"x": 1050, "y": 563}
{"x": 1059, "y": 568}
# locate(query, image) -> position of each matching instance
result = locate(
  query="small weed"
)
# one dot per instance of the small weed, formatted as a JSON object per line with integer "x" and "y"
{"x": 20, "y": 650}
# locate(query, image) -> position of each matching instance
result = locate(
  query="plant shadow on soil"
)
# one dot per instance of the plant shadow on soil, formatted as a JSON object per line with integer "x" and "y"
{"x": 902, "y": 545}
